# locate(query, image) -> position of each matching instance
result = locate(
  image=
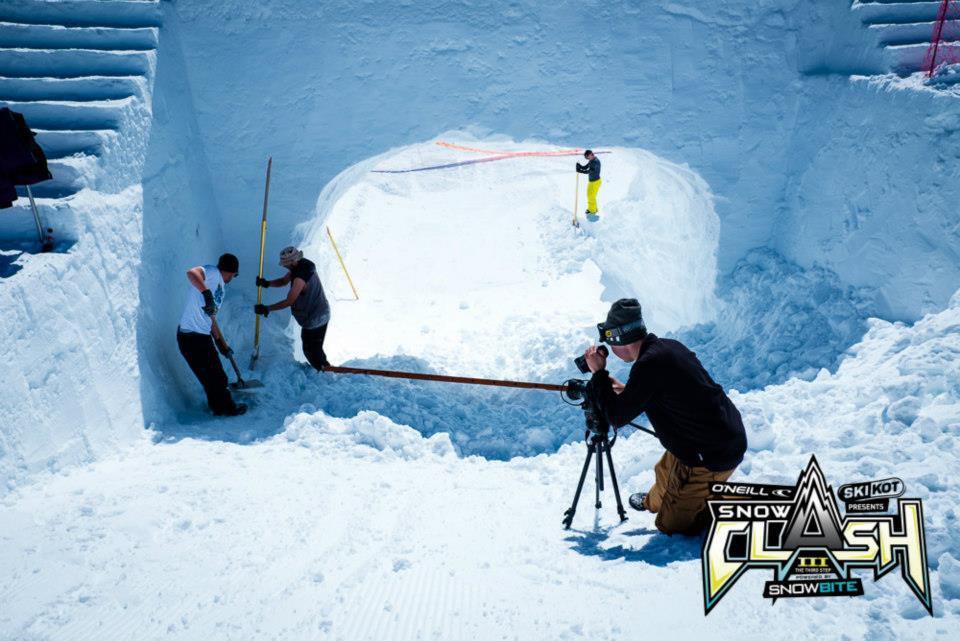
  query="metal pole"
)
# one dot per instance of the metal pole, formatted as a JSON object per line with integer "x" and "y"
{"x": 36, "y": 217}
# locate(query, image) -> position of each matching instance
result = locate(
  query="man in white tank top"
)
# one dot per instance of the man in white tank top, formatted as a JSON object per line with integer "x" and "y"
{"x": 198, "y": 330}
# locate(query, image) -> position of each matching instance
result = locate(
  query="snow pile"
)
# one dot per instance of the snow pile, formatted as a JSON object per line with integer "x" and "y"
{"x": 477, "y": 269}
{"x": 777, "y": 321}
{"x": 891, "y": 408}
{"x": 367, "y": 433}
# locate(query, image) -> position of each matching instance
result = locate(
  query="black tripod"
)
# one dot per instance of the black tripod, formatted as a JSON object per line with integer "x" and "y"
{"x": 597, "y": 445}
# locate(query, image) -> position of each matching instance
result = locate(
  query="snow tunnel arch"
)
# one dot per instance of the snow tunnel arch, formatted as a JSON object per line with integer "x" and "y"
{"x": 466, "y": 262}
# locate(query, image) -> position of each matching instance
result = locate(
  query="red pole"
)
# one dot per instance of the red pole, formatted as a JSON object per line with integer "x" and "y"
{"x": 930, "y": 60}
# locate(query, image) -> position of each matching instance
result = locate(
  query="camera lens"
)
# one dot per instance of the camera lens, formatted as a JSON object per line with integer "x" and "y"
{"x": 576, "y": 389}
{"x": 581, "y": 361}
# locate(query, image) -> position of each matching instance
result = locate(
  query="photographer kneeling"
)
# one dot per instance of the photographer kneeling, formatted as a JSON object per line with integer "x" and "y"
{"x": 693, "y": 418}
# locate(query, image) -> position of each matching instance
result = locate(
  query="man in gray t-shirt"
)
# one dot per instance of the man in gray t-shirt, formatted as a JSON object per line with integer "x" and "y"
{"x": 306, "y": 301}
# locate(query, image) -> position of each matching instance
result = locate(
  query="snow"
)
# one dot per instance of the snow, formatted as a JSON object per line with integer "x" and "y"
{"x": 772, "y": 194}
{"x": 477, "y": 257}
{"x": 756, "y": 98}
{"x": 360, "y": 528}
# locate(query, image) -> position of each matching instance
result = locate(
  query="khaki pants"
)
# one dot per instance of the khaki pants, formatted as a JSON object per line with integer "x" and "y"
{"x": 679, "y": 495}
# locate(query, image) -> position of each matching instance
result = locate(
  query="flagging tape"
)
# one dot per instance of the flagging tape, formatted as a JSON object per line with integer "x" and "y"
{"x": 556, "y": 152}
{"x": 502, "y": 156}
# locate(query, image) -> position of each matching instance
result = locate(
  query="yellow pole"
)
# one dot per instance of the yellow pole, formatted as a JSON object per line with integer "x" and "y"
{"x": 340, "y": 258}
{"x": 263, "y": 245}
{"x": 576, "y": 197}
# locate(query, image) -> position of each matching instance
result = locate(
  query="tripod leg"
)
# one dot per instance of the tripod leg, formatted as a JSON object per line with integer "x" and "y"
{"x": 568, "y": 515}
{"x": 599, "y": 480}
{"x": 616, "y": 487}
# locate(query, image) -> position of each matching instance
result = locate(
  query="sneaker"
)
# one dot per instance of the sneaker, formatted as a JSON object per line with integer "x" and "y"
{"x": 636, "y": 501}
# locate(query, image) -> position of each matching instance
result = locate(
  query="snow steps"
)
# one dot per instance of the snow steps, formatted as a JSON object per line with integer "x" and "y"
{"x": 67, "y": 142}
{"x": 70, "y": 175}
{"x": 83, "y": 13}
{"x": 904, "y": 30}
{"x": 77, "y": 70}
{"x": 913, "y": 33}
{"x": 69, "y": 114}
{"x": 72, "y": 63}
{"x": 14, "y": 35}
{"x": 19, "y": 226}
{"x": 896, "y": 12}
{"x": 79, "y": 88}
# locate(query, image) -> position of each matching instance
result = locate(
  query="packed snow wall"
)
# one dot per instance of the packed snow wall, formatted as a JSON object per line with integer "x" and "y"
{"x": 758, "y": 98}
{"x": 70, "y": 316}
{"x": 181, "y": 229}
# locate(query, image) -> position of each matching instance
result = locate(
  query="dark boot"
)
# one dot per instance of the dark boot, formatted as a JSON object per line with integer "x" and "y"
{"x": 237, "y": 410}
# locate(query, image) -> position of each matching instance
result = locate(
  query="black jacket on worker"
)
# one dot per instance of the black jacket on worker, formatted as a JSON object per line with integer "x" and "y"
{"x": 592, "y": 168}
{"x": 691, "y": 415}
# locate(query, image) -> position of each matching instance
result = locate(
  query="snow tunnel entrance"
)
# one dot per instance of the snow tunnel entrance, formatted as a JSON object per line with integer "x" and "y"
{"x": 466, "y": 262}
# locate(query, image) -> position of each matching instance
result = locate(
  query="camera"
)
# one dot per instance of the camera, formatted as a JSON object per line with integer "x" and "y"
{"x": 581, "y": 361}
{"x": 576, "y": 390}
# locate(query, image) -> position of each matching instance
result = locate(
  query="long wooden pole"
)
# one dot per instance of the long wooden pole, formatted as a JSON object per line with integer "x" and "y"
{"x": 576, "y": 200}
{"x": 444, "y": 379}
{"x": 342, "y": 264}
{"x": 263, "y": 246}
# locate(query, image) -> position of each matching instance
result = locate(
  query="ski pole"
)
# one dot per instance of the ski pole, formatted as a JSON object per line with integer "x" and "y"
{"x": 36, "y": 219}
{"x": 263, "y": 244}
{"x": 342, "y": 265}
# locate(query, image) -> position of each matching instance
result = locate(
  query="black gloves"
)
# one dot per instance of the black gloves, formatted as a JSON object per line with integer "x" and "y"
{"x": 263, "y": 310}
{"x": 223, "y": 348}
{"x": 209, "y": 307}
{"x": 262, "y": 282}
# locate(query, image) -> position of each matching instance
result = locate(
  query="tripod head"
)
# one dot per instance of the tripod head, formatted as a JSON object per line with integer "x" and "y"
{"x": 577, "y": 392}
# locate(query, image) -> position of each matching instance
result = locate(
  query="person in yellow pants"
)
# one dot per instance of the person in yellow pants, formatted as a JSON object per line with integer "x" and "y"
{"x": 592, "y": 169}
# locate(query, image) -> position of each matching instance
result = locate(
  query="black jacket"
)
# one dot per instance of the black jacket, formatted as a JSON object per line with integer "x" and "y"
{"x": 22, "y": 161}
{"x": 692, "y": 416}
{"x": 592, "y": 168}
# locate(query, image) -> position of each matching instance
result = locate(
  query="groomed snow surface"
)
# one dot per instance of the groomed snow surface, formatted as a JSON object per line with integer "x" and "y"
{"x": 357, "y": 508}
{"x": 361, "y": 528}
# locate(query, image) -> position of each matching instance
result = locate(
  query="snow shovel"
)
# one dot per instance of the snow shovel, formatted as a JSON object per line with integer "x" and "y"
{"x": 242, "y": 384}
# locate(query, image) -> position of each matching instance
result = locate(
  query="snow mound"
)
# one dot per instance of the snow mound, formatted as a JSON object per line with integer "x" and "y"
{"x": 476, "y": 268}
{"x": 367, "y": 435}
{"x": 777, "y": 321}
{"x": 891, "y": 408}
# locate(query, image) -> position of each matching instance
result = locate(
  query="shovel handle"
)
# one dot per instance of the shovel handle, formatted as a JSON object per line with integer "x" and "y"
{"x": 236, "y": 369}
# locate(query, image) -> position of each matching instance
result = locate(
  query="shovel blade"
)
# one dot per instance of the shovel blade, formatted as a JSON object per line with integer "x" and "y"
{"x": 242, "y": 385}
